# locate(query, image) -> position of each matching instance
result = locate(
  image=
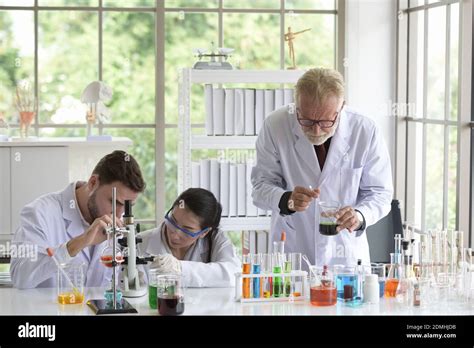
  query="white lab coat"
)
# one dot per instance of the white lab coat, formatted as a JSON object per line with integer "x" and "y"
{"x": 356, "y": 173}
{"x": 51, "y": 221}
{"x": 195, "y": 268}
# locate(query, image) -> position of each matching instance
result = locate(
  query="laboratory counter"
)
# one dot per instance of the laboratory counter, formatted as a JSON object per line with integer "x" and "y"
{"x": 215, "y": 301}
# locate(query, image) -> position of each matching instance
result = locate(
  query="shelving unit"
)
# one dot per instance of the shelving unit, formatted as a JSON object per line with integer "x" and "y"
{"x": 188, "y": 142}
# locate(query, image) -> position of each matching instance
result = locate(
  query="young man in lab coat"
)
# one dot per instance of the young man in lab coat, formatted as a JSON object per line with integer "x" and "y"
{"x": 318, "y": 149}
{"x": 73, "y": 223}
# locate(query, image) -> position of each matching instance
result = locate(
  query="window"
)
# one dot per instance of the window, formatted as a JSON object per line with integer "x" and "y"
{"x": 137, "y": 47}
{"x": 431, "y": 175}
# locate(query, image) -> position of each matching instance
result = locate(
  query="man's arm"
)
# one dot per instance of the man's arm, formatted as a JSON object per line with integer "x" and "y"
{"x": 33, "y": 266}
{"x": 267, "y": 179}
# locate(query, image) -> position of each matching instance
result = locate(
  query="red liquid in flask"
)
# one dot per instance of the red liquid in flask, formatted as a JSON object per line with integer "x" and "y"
{"x": 107, "y": 260}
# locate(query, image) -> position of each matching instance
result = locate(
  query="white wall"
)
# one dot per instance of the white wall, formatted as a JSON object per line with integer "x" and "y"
{"x": 370, "y": 65}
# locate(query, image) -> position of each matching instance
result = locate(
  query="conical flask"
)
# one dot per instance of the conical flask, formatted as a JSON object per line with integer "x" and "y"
{"x": 393, "y": 277}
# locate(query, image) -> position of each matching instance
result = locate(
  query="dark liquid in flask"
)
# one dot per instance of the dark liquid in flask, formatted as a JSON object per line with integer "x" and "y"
{"x": 170, "y": 306}
{"x": 328, "y": 229}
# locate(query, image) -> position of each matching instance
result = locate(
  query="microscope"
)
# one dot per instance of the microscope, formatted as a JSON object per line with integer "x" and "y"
{"x": 113, "y": 303}
{"x": 130, "y": 282}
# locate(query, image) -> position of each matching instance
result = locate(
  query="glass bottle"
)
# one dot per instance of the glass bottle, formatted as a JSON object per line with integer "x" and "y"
{"x": 359, "y": 296}
{"x": 416, "y": 296}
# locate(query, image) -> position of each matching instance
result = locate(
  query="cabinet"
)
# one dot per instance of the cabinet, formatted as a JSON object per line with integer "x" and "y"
{"x": 188, "y": 141}
{"x": 31, "y": 169}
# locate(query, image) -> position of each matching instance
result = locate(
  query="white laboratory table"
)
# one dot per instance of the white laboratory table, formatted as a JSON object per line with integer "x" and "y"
{"x": 214, "y": 301}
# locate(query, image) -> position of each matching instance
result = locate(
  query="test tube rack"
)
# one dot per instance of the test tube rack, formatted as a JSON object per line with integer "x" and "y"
{"x": 294, "y": 275}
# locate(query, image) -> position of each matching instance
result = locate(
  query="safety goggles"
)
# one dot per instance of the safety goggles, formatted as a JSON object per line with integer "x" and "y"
{"x": 306, "y": 122}
{"x": 171, "y": 223}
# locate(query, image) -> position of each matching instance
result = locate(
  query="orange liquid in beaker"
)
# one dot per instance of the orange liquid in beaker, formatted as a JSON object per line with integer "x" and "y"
{"x": 70, "y": 298}
{"x": 323, "y": 296}
{"x": 107, "y": 260}
{"x": 391, "y": 287}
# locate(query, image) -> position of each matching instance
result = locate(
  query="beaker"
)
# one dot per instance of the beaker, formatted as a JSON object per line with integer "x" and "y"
{"x": 152, "y": 287}
{"x": 379, "y": 270}
{"x": 323, "y": 290}
{"x": 448, "y": 280}
{"x": 170, "y": 294}
{"x": 347, "y": 284}
{"x": 327, "y": 218}
{"x": 70, "y": 283}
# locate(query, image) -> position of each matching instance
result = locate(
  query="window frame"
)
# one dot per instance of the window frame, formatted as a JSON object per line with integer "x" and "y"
{"x": 404, "y": 178}
{"x": 160, "y": 10}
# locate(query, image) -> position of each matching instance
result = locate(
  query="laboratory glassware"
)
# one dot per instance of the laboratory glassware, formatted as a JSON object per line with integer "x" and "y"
{"x": 323, "y": 290}
{"x": 327, "y": 217}
{"x": 393, "y": 276}
{"x": 70, "y": 284}
{"x": 170, "y": 294}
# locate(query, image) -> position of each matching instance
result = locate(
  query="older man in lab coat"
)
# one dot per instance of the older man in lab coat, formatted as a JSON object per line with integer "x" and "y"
{"x": 73, "y": 223}
{"x": 318, "y": 149}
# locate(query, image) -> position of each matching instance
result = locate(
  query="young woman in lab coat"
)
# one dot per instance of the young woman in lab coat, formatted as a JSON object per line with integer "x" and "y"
{"x": 189, "y": 242}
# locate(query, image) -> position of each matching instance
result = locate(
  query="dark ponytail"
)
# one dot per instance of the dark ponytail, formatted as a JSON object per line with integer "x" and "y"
{"x": 205, "y": 206}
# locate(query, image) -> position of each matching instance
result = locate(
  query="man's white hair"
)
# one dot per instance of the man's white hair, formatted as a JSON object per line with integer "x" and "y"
{"x": 320, "y": 83}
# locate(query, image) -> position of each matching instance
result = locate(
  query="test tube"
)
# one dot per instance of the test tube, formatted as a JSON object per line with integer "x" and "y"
{"x": 452, "y": 251}
{"x": 256, "y": 268}
{"x": 425, "y": 256}
{"x": 435, "y": 252}
{"x": 277, "y": 280}
{"x": 297, "y": 281}
{"x": 407, "y": 232}
{"x": 398, "y": 247}
{"x": 443, "y": 243}
{"x": 279, "y": 246}
{"x": 246, "y": 281}
{"x": 459, "y": 240}
{"x": 287, "y": 270}
{"x": 266, "y": 269}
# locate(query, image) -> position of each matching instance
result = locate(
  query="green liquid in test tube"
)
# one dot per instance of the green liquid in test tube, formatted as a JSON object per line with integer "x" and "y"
{"x": 287, "y": 278}
{"x": 277, "y": 281}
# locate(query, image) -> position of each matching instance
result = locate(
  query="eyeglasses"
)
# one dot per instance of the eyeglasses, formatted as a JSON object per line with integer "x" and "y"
{"x": 306, "y": 122}
{"x": 171, "y": 223}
